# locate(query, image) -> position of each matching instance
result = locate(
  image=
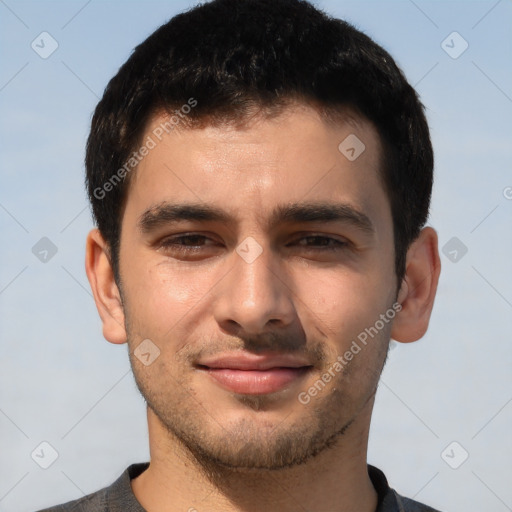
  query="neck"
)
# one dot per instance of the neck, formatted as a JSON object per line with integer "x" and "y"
{"x": 336, "y": 479}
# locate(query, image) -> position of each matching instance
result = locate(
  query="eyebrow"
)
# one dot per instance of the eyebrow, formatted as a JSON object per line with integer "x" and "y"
{"x": 166, "y": 213}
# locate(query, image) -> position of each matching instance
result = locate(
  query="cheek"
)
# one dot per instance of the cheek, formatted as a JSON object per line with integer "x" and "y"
{"x": 345, "y": 303}
{"x": 163, "y": 298}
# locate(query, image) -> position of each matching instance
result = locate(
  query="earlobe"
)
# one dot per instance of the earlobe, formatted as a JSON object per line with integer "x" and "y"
{"x": 104, "y": 288}
{"x": 418, "y": 289}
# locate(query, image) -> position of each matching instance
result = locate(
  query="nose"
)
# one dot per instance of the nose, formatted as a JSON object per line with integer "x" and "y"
{"x": 254, "y": 296}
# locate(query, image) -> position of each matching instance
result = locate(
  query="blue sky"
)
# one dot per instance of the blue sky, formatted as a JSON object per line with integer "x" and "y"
{"x": 61, "y": 382}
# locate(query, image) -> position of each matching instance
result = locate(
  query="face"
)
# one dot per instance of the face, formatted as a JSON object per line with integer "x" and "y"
{"x": 256, "y": 260}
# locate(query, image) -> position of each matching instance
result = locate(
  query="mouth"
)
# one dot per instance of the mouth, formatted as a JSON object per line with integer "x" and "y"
{"x": 255, "y": 374}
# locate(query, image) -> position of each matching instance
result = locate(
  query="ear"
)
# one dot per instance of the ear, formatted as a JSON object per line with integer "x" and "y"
{"x": 104, "y": 288}
{"x": 418, "y": 288}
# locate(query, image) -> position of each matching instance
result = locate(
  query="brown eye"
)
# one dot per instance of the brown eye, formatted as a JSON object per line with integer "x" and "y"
{"x": 322, "y": 243}
{"x": 187, "y": 243}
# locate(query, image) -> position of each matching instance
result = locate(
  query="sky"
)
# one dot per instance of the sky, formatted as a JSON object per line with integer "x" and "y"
{"x": 441, "y": 425}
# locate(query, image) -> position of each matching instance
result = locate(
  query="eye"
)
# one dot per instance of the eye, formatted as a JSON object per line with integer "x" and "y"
{"x": 186, "y": 243}
{"x": 322, "y": 243}
{"x": 195, "y": 244}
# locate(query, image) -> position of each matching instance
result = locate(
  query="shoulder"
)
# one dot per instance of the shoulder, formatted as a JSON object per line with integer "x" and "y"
{"x": 117, "y": 497}
{"x": 408, "y": 505}
{"x": 389, "y": 499}
{"x": 96, "y": 501}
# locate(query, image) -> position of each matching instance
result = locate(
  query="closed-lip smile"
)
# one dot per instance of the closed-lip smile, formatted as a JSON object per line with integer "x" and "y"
{"x": 255, "y": 374}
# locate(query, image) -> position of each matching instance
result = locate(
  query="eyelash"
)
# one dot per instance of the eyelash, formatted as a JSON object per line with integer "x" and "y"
{"x": 173, "y": 242}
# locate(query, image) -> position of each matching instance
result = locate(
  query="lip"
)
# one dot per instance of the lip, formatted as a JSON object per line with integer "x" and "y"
{"x": 247, "y": 361}
{"x": 255, "y": 374}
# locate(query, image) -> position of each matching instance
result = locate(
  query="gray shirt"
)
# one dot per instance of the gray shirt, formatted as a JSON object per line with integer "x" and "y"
{"x": 119, "y": 496}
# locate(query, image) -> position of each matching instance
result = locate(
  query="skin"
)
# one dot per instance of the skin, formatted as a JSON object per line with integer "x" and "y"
{"x": 213, "y": 449}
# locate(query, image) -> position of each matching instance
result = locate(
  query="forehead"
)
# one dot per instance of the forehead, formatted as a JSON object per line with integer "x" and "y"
{"x": 292, "y": 157}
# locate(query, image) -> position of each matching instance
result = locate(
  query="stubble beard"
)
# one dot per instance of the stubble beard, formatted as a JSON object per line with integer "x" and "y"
{"x": 246, "y": 446}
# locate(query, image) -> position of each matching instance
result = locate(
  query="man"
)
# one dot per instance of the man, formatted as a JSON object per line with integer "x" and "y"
{"x": 260, "y": 175}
